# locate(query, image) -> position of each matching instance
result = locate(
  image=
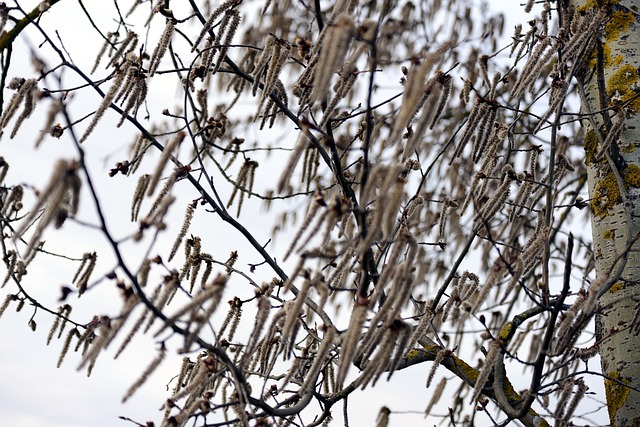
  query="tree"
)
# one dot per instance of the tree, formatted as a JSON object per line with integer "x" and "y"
{"x": 426, "y": 183}
{"x": 609, "y": 93}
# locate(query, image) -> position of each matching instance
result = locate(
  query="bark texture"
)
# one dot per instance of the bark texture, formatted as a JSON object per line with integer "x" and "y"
{"x": 611, "y": 102}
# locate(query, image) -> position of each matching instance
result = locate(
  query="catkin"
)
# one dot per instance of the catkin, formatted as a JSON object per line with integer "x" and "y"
{"x": 145, "y": 375}
{"x": 26, "y": 91}
{"x": 287, "y": 171}
{"x": 65, "y": 347}
{"x": 318, "y": 360}
{"x": 413, "y": 92}
{"x": 495, "y": 348}
{"x": 164, "y": 159}
{"x": 442, "y": 353}
{"x": 60, "y": 197}
{"x": 332, "y": 53}
{"x": 30, "y": 97}
{"x": 126, "y": 46}
{"x": 188, "y": 215}
{"x": 383, "y": 417}
{"x": 433, "y": 88}
{"x": 350, "y": 339}
{"x": 435, "y": 395}
{"x": 106, "y": 101}
{"x": 212, "y": 19}
{"x": 231, "y": 30}
{"x": 279, "y": 53}
{"x": 8, "y": 299}
{"x": 495, "y": 203}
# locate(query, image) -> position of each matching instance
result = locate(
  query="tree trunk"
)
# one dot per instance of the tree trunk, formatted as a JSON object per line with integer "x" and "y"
{"x": 611, "y": 102}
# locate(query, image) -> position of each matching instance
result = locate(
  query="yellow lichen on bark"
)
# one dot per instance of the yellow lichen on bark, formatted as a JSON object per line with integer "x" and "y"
{"x": 590, "y": 4}
{"x": 413, "y": 354}
{"x": 590, "y": 146}
{"x": 631, "y": 175}
{"x": 608, "y": 60}
{"x": 618, "y": 23}
{"x": 627, "y": 148}
{"x": 466, "y": 369}
{"x": 621, "y": 85}
{"x": 607, "y": 191}
{"x": 470, "y": 375}
{"x": 505, "y": 333}
{"x": 605, "y": 196}
{"x": 618, "y": 286}
{"x": 616, "y": 393}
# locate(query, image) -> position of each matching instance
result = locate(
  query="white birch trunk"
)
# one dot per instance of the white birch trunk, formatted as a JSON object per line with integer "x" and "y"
{"x": 614, "y": 190}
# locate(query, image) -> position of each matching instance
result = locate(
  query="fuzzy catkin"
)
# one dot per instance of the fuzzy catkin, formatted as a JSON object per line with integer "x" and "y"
{"x": 350, "y": 340}
{"x": 138, "y": 195}
{"x": 30, "y": 97}
{"x": 126, "y": 46}
{"x": 333, "y": 50}
{"x": 65, "y": 347}
{"x": 495, "y": 347}
{"x": 433, "y": 89}
{"x": 442, "y": 353}
{"x": 188, "y": 215}
{"x": 287, "y": 171}
{"x": 134, "y": 99}
{"x": 212, "y": 19}
{"x": 474, "y": 116}
{"x": 62, "y": 311}
{"x": 8, "y": 299}
{"x": 226, "y": 31}
{"x": 292, "y": 321}
{"x": 60, "y": 196}
{"x": 25, "y": 88}
{"x": 414, "y": 89}
{"x": 348, "y": 77}
{"x": 263, "y": 60}
{"x": 106, "y": 102}
{"x": 280, "y": 51}
{"x": 164, "y": 159}
{"x": 435, "y": 395}
{"x": 577, "y": 397}
{"x": 264, "y": 306}
{"x": 495, "y": 203}
{"x": 540, "y": 56}
{"x": 383, "y": 417}
{"x": 134, "y": 329}
{"x": 145, "y": 375}
{"x": 319, "y": 360}
{"x": 378, "y": 363}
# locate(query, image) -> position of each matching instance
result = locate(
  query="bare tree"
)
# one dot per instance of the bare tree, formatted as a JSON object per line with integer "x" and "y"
{"x": 426, "y": 180}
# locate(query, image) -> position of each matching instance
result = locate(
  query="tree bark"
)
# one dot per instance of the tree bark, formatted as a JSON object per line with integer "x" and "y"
{"x": 611, "y": 101}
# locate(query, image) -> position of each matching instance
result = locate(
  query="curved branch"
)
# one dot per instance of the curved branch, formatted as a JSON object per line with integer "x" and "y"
{"x": 7, "y": 39}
